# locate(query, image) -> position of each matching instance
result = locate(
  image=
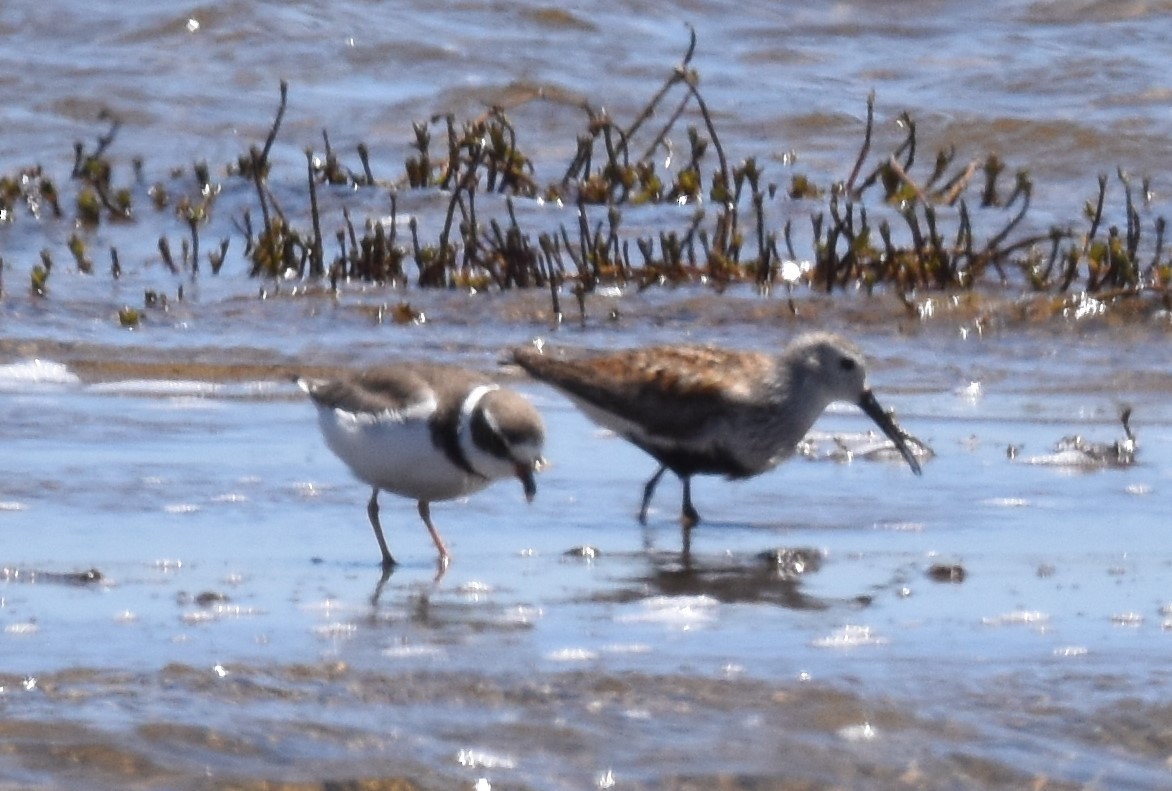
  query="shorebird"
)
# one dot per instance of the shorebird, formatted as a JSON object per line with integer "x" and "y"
{"x": 428, "y": 432}
{"x": 707, "y": 411}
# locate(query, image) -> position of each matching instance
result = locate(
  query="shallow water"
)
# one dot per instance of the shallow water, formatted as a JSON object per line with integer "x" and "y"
{"x": 240, "y": 632}
{"x": 236, "y": 632}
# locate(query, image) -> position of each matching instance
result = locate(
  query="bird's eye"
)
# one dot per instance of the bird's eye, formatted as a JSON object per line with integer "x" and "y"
{"x": 846, "y": 364}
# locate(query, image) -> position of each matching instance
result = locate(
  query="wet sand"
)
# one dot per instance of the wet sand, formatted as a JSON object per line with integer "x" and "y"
{"x": 838, "y": 623}
{"x": 189, "y": 590}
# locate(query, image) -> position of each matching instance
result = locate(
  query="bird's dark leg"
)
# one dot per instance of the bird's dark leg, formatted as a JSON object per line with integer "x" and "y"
{"x": 425, "y": 515}
{"x": 649, "y": 490}
{"x": 372, "y": 512}
{"x": 690, "y": 518}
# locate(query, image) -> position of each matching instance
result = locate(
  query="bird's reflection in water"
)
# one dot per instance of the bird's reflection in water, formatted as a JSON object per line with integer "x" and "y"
{"x": 382, "y": 583}
{"x": 775, "y": 576}
{"x": 441, "y": 569}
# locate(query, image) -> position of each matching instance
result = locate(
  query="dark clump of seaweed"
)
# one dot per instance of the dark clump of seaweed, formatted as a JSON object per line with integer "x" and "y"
{"x": 897, "y": 222}
{"x": 848, "y": 254}
{"x": 98, "y": 195}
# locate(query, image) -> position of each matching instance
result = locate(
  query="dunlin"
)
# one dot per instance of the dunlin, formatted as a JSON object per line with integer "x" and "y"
{"x": 429, "y": 432}
{"x": 710, "y": 411}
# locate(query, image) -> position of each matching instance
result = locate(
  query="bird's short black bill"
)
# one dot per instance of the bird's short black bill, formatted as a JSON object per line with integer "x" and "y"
{"x": 870, "y": 405}
{"x": 525, "y": 474}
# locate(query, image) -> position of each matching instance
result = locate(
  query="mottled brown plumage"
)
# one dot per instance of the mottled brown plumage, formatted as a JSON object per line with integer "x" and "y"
{"x": 705, "y": 410}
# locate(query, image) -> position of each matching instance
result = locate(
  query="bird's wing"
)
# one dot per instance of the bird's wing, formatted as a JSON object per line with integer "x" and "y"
{"x": 374, "y": 391}
{"x": 667, "y": 390}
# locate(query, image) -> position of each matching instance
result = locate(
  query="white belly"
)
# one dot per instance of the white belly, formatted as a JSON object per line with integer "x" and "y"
{"x": 396, "y": 455}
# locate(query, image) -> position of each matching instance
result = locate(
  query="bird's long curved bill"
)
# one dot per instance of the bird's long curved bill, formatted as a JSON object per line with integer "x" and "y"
{"x": 870, "y": 405}
{"x": 525, "y": 474}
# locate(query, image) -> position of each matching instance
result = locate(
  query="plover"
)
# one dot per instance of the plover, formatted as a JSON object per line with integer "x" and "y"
{"x": 429, "y": 432}
{"x": 710, "y": 411}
